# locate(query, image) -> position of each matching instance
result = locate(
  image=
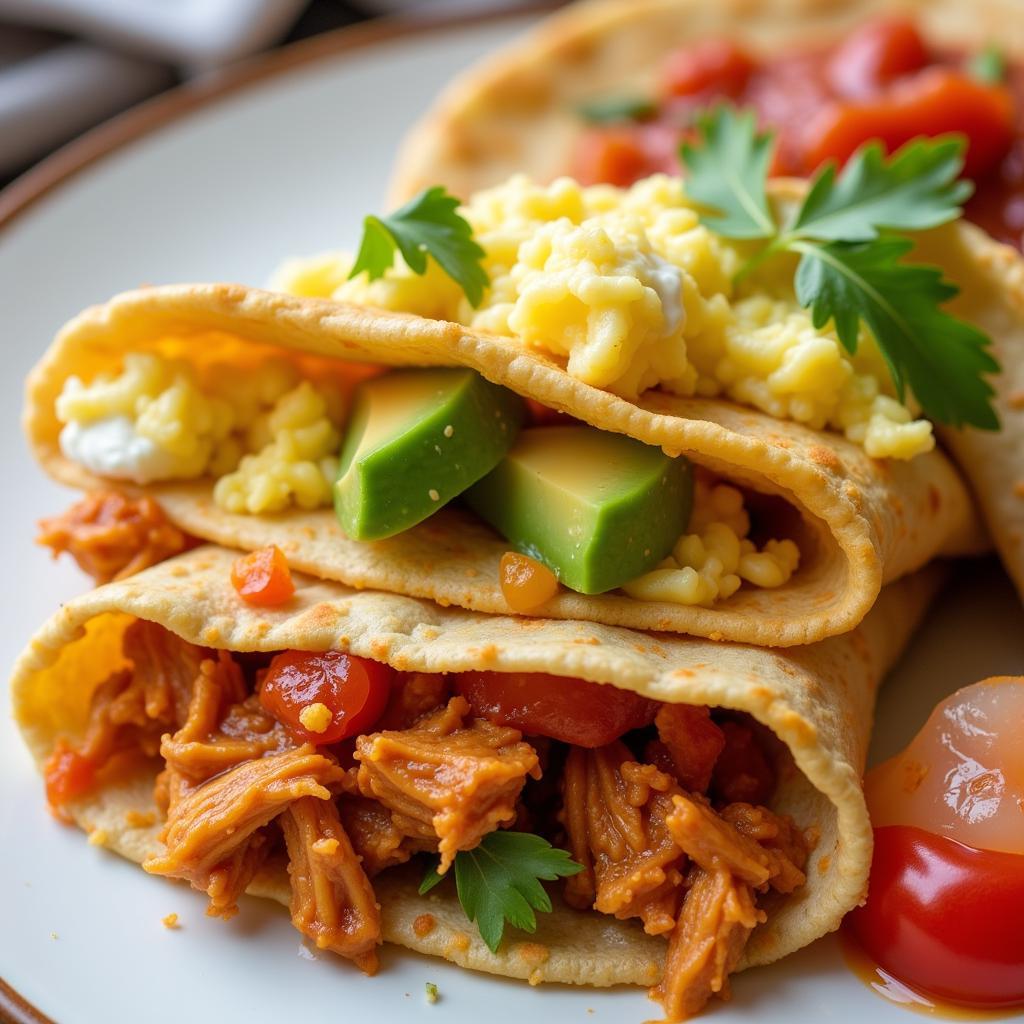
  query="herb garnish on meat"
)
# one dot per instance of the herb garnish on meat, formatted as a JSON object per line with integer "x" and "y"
{"x": 499, "y": 881}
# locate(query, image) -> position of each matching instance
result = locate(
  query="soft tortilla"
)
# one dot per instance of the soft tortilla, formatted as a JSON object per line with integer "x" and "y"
{"x": 861, "y": 522}
{"x": 515, "y": 112}
{"x": 818, "y": 700}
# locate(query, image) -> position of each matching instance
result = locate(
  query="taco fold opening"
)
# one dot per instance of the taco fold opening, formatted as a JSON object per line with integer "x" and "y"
{"x": 846, "y": 523}
{"x": 158, "y": 708}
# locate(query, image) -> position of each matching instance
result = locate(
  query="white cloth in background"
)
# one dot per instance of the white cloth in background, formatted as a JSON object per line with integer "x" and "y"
{"x": 52, "y": 89}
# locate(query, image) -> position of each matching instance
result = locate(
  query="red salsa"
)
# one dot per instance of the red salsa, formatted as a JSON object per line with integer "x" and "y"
{"x": 881, "y": 82}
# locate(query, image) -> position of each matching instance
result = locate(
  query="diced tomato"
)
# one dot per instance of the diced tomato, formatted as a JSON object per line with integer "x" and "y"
{"x": 67, "y": 775}
{"x": 715, "y": 66}
{"x": 874, "y": 55}
{"x": 935, "y": 102}
{"x": 614, "y": 156}
{"x": 742, "y": 772}
{"x": 354, "y": 691}
{"x": 262, "y": 577}
{"x": 945, "y": 918}
{"x": 526, "y": 583}
{"x": 572, "y": 710}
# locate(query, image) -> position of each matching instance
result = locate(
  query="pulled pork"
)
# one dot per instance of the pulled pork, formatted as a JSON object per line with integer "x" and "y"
{"x": 332, "y": 899}
{"x": 210, "y": 826}
{"x": 111, "y": 536}
{"x": 656, "y": 837}
{"x": 719, "y": 911}
{"x": 614, "y": 815}
{"x": 444, "y": 780}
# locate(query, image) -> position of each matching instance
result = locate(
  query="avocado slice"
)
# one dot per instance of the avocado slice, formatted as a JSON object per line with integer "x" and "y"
{"x": 599, "y": 509}
{"x": 415, "y": 440}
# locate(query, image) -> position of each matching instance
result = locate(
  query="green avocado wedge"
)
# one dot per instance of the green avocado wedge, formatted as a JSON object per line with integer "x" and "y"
{"x": 598, "y": 509}
{"x": 416, "y": 439}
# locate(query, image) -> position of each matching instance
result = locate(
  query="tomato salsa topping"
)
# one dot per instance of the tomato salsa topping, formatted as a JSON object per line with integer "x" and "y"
{"x": 353, "y": 691}
{"x": 881, "y": 82}
{"x": 262, "y": 577}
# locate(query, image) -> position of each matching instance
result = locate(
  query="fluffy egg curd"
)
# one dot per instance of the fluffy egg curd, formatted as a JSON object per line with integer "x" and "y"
{"x": 633, "y": 292}
{"x": 269, "y": 437}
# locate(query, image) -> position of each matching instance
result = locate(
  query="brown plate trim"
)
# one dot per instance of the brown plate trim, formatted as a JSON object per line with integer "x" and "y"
{"x": 16, "y": 1010}
{"x": 99, "y": 143}
{"x": 151, "y": 115}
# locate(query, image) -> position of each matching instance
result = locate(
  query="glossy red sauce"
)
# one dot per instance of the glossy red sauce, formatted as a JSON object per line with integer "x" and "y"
{"x": 880, "y": 82}
{"x": 945, "y": 918}
{"x": 945, "y": 908}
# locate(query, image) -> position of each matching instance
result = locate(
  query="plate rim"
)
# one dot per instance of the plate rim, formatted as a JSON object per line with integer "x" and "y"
{"x": 64, "y": 165}
{"x": 109, "y": 137}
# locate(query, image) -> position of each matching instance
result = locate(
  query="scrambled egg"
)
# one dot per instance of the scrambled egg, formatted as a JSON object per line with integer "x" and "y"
{"x": 713, "y": 561}
{"x": 633, "y": 292}
{"x": 271, "y": 438}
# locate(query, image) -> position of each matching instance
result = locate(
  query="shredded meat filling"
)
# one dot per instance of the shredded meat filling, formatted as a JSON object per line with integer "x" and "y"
{"x": 718, "y": 912}
{"x": 111, "y": 536}
{"x": 716, "y": 919}
{"x": 614, "y": 814}
{"x": 207, "y": 826}
{"x": 446, "y": 779}
{"x": 692, "y": 741}
{"x": 332, "y": 899}
{"x": 376, "y": 839}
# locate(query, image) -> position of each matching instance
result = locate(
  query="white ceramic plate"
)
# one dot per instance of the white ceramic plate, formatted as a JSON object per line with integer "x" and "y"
{"x": 288, "y": 164}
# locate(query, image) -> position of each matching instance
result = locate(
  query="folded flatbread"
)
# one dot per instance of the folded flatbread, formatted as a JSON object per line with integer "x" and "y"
{"x": 859, "y": 522}
{"x": 817, "y": 700}
{"x": 516, "y": 112}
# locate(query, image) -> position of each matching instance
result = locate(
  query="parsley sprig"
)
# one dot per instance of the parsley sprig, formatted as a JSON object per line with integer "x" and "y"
{"x": 428, "y": 225}
{"x": 499, "y": 881}
{"x": 851, "y": 266}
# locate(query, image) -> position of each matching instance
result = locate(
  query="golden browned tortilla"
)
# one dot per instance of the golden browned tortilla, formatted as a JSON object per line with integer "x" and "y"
{"x": 515, "y": 112}
{"x": 859, "y": 522}
{"x": 818, "y": 700}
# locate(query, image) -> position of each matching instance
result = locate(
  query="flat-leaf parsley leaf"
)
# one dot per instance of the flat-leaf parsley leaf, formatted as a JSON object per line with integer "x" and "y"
{"x": 499, "y": 881}
{"x": 851, "y": 269}
{"x": 428, "y": 225}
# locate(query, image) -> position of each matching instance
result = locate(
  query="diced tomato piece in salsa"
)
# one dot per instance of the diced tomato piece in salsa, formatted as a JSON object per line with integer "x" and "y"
{"x": 567, "y": 709}
{"x": 262, "y": 577}
{"x": 68, "y": 775}
{"x": 935, "y": 102}
{"x": 353, "y": 690}
{"x": 717, "y": 66}
{"x": 874, "y": 56}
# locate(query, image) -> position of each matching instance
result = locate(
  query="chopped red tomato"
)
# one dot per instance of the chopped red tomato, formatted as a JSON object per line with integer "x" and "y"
{"x": 935, "y": 102}
{"x": 615, "y": 156}
{"x": 68, "y": 775}
{"x": 875, "y": 55}
{"x": 715, "y": 66}
{"x": 572, "y": 710}
{"x": 353, "y": 690}
{"x": 945, "y": 918}
{"x": 262, "y": 577}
